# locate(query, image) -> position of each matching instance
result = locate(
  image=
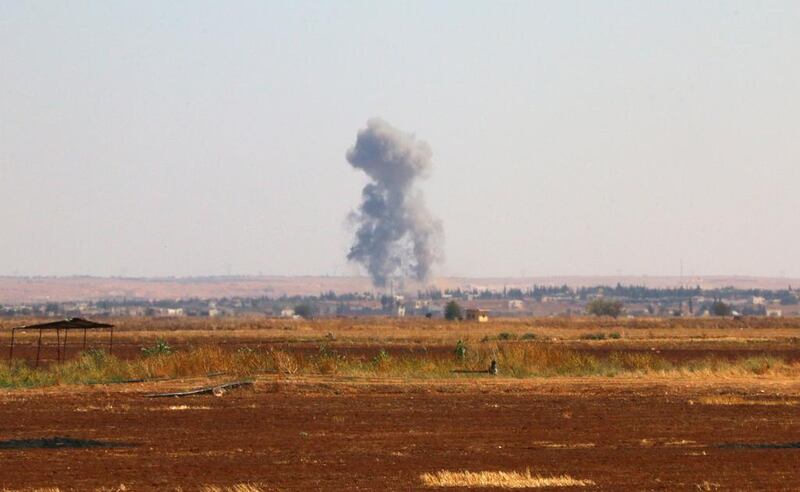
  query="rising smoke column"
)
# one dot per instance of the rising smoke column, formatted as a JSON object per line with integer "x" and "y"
{"x": 396, "y": 234}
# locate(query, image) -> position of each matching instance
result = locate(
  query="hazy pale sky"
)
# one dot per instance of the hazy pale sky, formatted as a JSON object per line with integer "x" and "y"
{"x": 191, "y": 138}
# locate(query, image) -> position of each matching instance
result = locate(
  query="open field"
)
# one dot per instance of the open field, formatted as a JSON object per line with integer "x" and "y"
{"x": 675, "y": 340}
{"x": 327, "y": 434}
{"x": 365, "y": 404}
{"x": 15, "y": 290}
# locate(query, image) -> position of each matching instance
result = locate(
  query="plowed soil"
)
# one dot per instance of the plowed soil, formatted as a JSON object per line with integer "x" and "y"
{"x": 326, "y": 434}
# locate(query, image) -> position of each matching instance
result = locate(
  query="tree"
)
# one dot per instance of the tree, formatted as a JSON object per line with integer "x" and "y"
{"x": 304, "y": 311}
{"x": 452, "y": 311}
{"x": 604, "y": 307}
{"x": 719, "y": 308}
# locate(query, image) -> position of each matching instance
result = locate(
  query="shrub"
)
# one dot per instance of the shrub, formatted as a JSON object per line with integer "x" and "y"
{"x": 506, "y": 336}
{"x": 328, "y": 360}
{"x": 719, "y": 308}
{"x": 593, "y": 336}
{"x": 304, "y": 311}
{"x": 461, "y": 350}
{"x": 528, "y": 336}
{"x": 452, "y": 311}
{"x": 161, "y": 347}
{"x": 615, "y": 335}
{"x": 382, "y": 357}
{"x": 284, "y": 363}
{"x": 604, "y": 307}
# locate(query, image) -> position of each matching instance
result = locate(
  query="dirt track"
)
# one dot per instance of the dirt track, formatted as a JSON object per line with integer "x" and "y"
{"x": 317, "y": 435}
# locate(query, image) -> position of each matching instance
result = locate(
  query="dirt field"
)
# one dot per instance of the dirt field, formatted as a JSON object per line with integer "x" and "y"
{"x": 320, "y": 434}
{"x": 646, "y": 432}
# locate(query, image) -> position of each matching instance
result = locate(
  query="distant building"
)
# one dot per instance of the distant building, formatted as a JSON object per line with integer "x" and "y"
{"x": 774, "y": 313}
{"x": 515, "y": 304}
{"x": 287, "y": 313}
{"x": 479, "y": 315}
{"x": 759, "y": 301}
{"x": 421, "y": 304}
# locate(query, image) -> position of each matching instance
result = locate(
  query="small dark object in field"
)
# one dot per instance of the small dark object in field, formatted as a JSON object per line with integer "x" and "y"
{"x": 217, "y": 390}
{"x": 461, "y": 350}
{"x": 492, "y": 370}
{"x": 60, "y": 443}
{"x": 593, "y": 336}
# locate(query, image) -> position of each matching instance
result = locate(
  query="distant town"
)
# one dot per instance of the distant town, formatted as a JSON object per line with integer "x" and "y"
{"x": 537, "y": 300}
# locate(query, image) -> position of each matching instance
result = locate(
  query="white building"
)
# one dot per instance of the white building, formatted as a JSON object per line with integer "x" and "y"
{"x": 515, "y": 304}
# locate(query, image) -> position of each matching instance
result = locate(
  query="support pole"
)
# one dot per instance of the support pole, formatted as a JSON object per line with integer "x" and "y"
{"x": 58, "y": 345}
{"x": 84, "y": 339}
{"x": 11, "y": 352}
{"x": 111, "y": 342}
{"x": 39, "y": 347}
{"x": 64, "y": 352}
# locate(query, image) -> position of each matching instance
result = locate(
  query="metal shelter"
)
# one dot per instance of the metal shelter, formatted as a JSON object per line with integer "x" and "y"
{"x": 66, "y": 326}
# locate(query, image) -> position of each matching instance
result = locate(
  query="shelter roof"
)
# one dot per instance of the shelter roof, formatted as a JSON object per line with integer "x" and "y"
{"x": 68, "y": 324}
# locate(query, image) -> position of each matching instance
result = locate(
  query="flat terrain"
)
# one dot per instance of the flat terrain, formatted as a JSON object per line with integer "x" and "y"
{"x": 675, "y": 340}
{"x": 637, "y": 431}
{"x": 21, "y": 290}
{"x": 323, "y": 434}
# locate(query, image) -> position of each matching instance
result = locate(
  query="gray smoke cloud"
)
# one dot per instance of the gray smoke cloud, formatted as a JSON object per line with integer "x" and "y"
{"x": 396, "y": 235}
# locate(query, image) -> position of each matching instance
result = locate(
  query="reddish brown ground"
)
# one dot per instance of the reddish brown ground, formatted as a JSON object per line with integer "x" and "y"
{"x": 324, "y": 434}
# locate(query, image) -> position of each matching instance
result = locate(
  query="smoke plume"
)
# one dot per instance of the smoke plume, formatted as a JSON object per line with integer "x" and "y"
{"x": 396, "y": 235}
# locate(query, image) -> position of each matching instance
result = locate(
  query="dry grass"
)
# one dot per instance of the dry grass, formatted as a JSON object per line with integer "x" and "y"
{"x": 200, "y": 354}
{"x": 506, "y": 480}
{"x": 558, "y": 445}
{"x": 239, "y": 487}
{"x": 388, "y": 330}
{"x": 738, "y": 400}
{"x": 514, "y": 359}
{"x": 706, "y": 485}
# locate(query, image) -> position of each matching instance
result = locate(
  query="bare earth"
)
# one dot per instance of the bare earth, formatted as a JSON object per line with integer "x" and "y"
{"x": 324, "y": 434}
{"x": 650, "y": 432}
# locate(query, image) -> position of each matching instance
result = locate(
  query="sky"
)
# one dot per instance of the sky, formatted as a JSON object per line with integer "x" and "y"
{"x": 195, "y": 138}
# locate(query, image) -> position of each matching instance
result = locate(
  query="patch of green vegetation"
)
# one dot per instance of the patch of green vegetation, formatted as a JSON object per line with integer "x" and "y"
{"x": 382, "y": 357}
{"x": 160, "y": 347}
{"x": 461, "y": 350}
{"x": 593, "y": 336}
